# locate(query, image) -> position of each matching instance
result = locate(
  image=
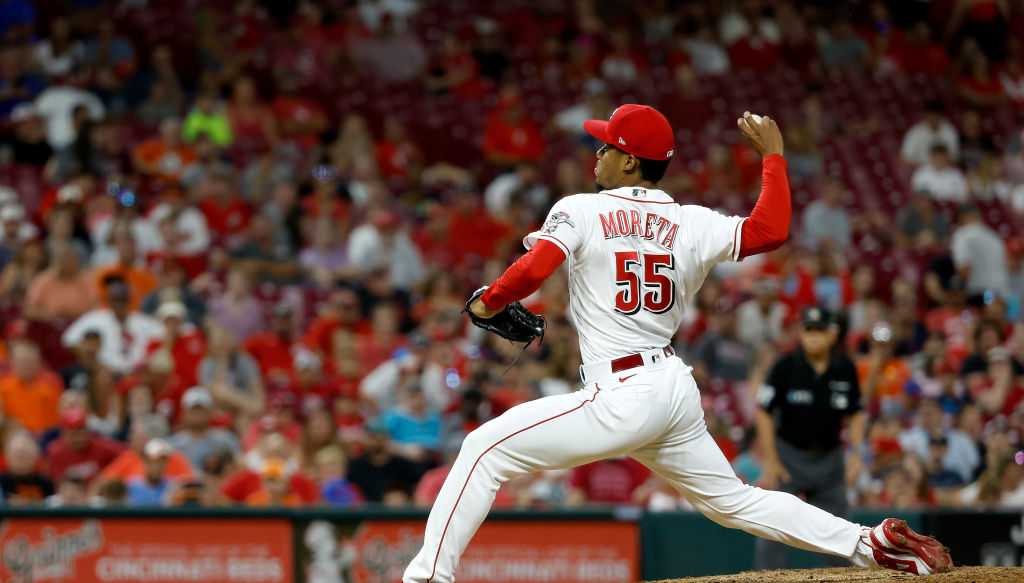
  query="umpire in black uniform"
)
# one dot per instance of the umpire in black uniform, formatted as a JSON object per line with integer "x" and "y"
{"x": 809, "y": 394}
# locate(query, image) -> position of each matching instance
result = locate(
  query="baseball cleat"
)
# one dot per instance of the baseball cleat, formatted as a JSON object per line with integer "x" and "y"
{"x": 896, "y": 546}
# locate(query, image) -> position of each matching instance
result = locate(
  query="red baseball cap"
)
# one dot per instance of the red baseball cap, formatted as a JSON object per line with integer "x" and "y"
{"x": 73, "y": 418}
{"x": 639, "y": 130}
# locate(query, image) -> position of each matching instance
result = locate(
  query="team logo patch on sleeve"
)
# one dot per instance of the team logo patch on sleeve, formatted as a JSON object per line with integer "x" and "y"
{"x": 551, "y": 225}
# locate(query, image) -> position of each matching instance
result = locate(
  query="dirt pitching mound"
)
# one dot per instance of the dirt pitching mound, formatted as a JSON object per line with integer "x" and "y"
{"x": 957, "y": 575}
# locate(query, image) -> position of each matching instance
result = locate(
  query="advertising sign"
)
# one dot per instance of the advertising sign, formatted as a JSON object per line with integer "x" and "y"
{"x": 145, "y": 551}
{"x": 378, "y": 551}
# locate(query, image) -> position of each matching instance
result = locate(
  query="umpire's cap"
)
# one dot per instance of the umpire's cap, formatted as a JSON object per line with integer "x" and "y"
{"x": 815, "y": 318}
{"x": 639, "y": 130}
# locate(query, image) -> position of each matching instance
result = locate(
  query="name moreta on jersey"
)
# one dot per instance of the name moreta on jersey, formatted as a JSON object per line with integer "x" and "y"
{"x": 647, "y": 226}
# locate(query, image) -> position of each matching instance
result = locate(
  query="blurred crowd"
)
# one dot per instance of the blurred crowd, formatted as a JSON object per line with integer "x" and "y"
{"x": 224, "y": 279}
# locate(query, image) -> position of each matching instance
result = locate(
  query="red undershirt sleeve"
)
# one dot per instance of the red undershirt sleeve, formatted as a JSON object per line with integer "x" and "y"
{"x": 767, "y": 227}
{"x": 525, "y": 276}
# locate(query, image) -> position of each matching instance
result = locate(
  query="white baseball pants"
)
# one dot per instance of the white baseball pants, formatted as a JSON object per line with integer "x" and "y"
{"x": 652, "y": 414}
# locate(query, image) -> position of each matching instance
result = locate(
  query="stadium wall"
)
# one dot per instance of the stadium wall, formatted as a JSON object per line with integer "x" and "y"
{"x": 334, "y": 546}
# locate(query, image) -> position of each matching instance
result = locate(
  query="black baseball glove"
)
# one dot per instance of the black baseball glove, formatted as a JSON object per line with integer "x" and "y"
{"x": 514, "y": 323}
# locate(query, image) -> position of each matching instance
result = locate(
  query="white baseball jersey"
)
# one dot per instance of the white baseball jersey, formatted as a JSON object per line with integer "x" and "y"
{"x": 636, "y": 258}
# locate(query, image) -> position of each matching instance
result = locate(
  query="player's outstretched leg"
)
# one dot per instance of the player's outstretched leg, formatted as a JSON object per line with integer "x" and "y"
{"x": 689, "y": 458}
{"x": 553, "y": 432}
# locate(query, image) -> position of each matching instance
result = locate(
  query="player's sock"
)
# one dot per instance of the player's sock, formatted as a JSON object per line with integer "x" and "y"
{"x": 863, "y": 555}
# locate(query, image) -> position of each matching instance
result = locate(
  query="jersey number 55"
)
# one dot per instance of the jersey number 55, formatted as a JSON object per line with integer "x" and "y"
{"x": 649, "y": 271}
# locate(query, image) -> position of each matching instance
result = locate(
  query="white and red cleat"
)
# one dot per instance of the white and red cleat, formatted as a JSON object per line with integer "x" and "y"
{"x": 896, "y": 546}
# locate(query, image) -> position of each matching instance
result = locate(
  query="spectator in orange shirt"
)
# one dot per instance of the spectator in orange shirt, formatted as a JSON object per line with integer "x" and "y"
{"x": 128, "y": 465}
{"x": 882, "y": 374}
{"x": 165, "y": 156}
{"x": 130, "y": 268}
{"x": 510, "y": 137}
{"x": 275, "y": 488}
{"x": 63, "y": 292}
{"x": 29, "y": 392}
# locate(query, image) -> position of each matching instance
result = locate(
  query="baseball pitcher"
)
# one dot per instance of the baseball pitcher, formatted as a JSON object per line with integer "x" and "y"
{"x": 635, "y": 258}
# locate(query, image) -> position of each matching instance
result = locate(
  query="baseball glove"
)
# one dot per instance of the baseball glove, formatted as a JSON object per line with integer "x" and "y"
{"x": 514, "y": 323}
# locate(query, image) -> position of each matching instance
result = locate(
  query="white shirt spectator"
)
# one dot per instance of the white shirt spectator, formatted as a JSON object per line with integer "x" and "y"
{"x": 755, "y": 326}
{"x": 380, "y": 386}
{"x": 735, "y": 26}
{"x": 191, "y": 223}
{"x": 943, "y": 184}
{"x": 708, "y": 57}
{"x": 922, "y": 136}
{"x": 978, "y": 247}
{"x": 122, "y": 348}
{"x": 56, "y": 105}
{"x": 825, "y": 221}
{"x": 500, "y": 193}
{"x": 1013, "y": 87}
{"x": 372, "y": 11}
{"x": 147, "y": 240}
{"x": 371, "y": 249}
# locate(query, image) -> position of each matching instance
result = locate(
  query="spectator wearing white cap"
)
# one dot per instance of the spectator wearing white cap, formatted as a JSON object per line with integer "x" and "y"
{"x": 197, "y": 438}
{"x": 153, "y": 487}
{"x": 182, "y": 340}
{"x": 28, "y": 138}
{"x": 15, "y": 228}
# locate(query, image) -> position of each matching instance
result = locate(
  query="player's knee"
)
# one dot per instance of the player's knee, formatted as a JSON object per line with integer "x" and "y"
{"x": 475, "y": 443}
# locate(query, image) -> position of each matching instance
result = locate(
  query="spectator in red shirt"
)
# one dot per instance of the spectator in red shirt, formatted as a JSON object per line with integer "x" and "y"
{"x": 397, "y": 155}
{"x": 510, "y": 137}
{"x": 690, "y": 106}
{"x": 252, "y": 122}
{"x": 78, "y": 450}
{"x": 184, "y": 341}
{"x": 299, "y": 118}
{"x": 918, "y": 53}
{"x": 384, "y": 337}
{"x": 456, "y": 71}
{"x": 278, "y": 419}
{"x": 611, "y": 481}
{"x": 227, "y": 214}
{"x": 341, "y": 312}
{"x": 273, "y": 348}
{"x": 978, "y": 85}
{"x": 472, "y": 232}
{"x": 622, "y": 64}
